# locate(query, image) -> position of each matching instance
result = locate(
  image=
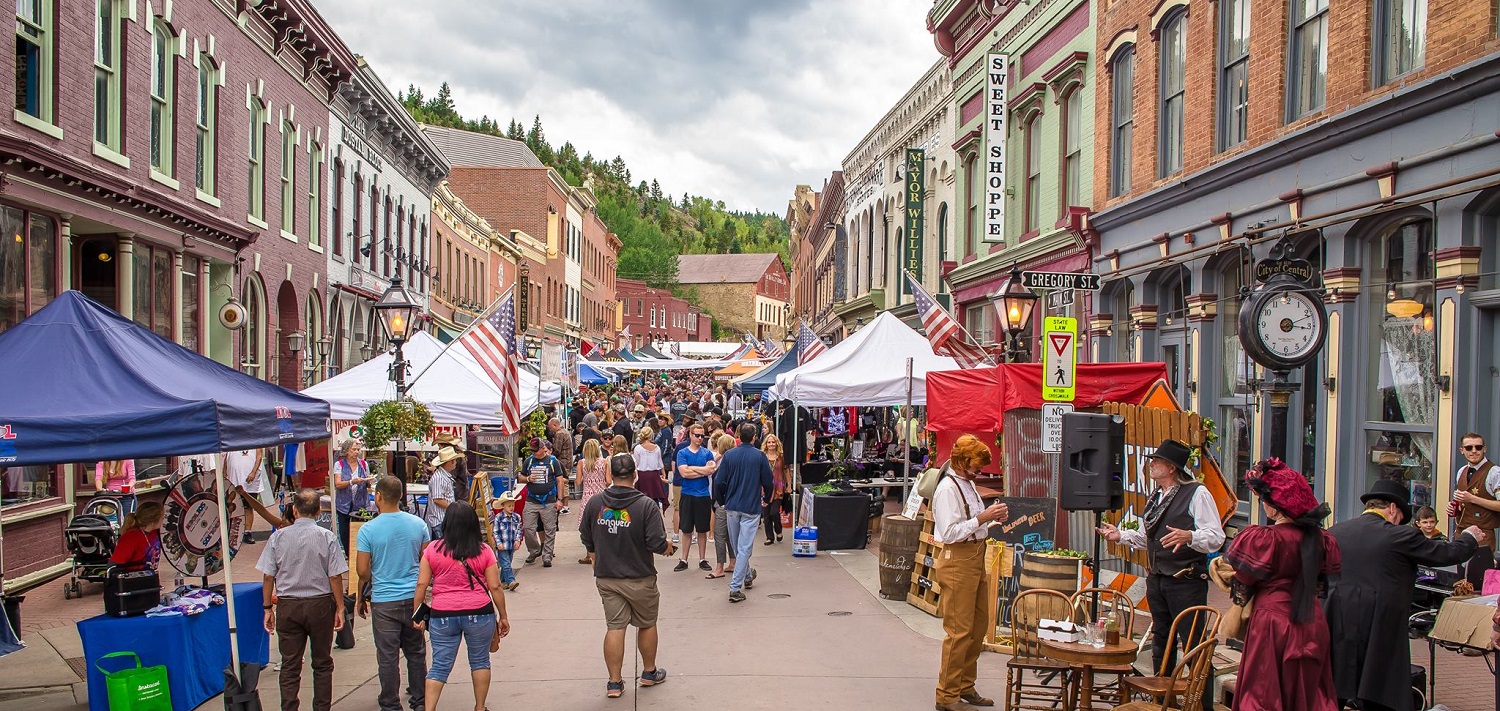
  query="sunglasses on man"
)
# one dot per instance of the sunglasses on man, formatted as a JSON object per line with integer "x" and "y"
{"x": 1473, "y": 448}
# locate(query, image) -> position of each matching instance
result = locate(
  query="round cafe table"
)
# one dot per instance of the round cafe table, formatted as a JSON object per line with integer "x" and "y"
{"x": 1086, "y": 657}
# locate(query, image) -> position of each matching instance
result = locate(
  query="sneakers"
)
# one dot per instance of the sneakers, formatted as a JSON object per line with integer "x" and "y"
{"x": 676, "y": 538}
{"x": 512, "y": 585}
{"x": 681, "y": 566}
{"x": 546, "y": 564}
{"x": 564, "y": 510}
{"x": 750, "y": 579}
{"x": 532, "y": 558}
{"x": 736, "y": 596}
{"x": 654, "y": 677}
{"x": 248, "y": 539}
{"x": 613, "y": 689}
{"x": 704, "y": 566}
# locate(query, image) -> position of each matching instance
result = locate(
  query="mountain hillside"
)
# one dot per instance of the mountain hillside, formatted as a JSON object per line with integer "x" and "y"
{"x": 653, "y": 227}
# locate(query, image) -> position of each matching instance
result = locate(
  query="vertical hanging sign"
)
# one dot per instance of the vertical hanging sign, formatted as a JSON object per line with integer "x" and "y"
{"x": 996, "y": 69}
{"x": 523, "y": 302}
{"x": 915, "y": 214}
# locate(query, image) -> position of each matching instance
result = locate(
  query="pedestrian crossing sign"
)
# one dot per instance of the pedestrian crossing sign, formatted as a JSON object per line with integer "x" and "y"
{"x": 1059, "y": 358}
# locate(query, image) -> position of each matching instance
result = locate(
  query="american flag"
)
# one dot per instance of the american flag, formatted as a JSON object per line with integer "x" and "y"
{"x": 768, "y": 348}
{"x": 811, "y": 346}
{"x": 492, "y": 341}
{"x": 945, "y": 335}
{"x": 624, "y": 338}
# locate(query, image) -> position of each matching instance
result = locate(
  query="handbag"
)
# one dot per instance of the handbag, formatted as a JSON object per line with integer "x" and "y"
{"x": 1236, "y": 620}
{"x": 138, "y": 688}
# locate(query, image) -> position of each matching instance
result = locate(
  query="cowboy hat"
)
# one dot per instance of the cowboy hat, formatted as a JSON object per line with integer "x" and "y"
{"x": 1175, "y": 453}
{"x": 1391, "y": 490}
{"x": 509, "y": 497}
{"x": 449, "y": 439}
{"x": 445, "y": 454}
{"x": 639, "y": 408}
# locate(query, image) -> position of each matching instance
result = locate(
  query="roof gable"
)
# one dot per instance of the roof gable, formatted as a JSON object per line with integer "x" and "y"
{"x": 723, "y": 268}
{"x": 481, "y": 150}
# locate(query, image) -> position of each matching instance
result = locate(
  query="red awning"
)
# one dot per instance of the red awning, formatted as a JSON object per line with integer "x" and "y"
{"x": 975, "y": 400}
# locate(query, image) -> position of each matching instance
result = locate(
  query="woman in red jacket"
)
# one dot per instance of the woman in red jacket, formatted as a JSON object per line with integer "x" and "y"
{"x": 140, "y": 538}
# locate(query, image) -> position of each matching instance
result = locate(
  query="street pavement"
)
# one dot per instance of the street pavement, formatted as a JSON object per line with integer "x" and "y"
{"x": 813, "y": 632}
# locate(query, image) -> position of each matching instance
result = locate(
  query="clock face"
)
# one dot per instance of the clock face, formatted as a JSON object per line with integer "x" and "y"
{"x": 1289, "y": 326}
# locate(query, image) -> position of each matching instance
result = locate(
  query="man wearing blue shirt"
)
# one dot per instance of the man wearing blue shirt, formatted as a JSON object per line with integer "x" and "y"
{"x": 544, "y": 478}
{"x": 695, "y": 510}
{"x": 389, "y": 555}
{"x": 744, "y": 487}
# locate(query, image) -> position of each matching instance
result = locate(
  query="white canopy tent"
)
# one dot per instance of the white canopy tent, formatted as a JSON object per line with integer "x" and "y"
{"x": 867, "y": 369}
{"x": 456, "y": 389}
{"x": 684, "y": 364}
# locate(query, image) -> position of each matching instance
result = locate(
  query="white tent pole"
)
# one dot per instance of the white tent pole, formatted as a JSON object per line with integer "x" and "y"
{"x": 221, "y": 483}
{"x": 905, "y": 434}
{"x": 796, "y": 467}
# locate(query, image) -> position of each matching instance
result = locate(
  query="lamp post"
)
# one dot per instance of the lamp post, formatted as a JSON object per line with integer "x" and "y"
{"x": 397, "y": 309}
{"x": 1014, "y": 304}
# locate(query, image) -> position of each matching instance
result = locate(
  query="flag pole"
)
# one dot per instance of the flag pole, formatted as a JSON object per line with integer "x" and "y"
{"x": 968, "y": 337}
{"x": 461, "y": 334}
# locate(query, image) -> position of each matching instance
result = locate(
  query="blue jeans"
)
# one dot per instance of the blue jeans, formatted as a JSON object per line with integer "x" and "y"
{"x": 743, "y": 528}
{"x": 506, "y": 574}
{"x": 476, "y": 631}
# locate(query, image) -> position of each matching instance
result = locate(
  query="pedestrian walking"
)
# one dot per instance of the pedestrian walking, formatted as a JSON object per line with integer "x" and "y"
{"x": 961, "y": 521}
{"x": 508, "y": 537}
{"x": 304, "y": 570}
{"x": 1280, "y": 568}
{"x": 723, "y": 551}
{"x": 695, "y": 464}
{"x": 351, "y": 483}
{"x": 649, "y": 467}
{"x": 1475, "y": 494}
{"x": 743, "y": 486}
{"x": 1182, "y": 526}
{"x": 468, "y": 604}
{"x": 544, "y": 481}
{"x": 562, "y": 448}
{"x": 593, "y": 474}
{"x": 442, "y": 489}
{"x": 780, "y": 499}
{"x": 1369, "y": 603}
{"x": 245, "y": 469}
{"x": 388, "y": 554}
{"x": 623, "y": 528}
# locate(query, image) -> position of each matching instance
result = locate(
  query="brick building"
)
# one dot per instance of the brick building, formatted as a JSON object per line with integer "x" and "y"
{"x": 655, "y": 315}
{"x": 1029, "y": 124}
{"x": 163, "y": 158}
{"x": 800, "y": 211}
{"x": 1362, "y": 133}
{"x": 473, "y": 264}
{"x": 828, "y": 241}
{"x": 571, "y": 284}
{"x": 746, "y": 293}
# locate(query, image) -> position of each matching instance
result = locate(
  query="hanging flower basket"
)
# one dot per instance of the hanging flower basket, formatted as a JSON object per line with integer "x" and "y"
{"x": 391, "y": 419}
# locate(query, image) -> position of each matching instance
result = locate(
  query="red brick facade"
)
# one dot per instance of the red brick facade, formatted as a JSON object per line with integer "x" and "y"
{"x": 656, "y": 315}
{"x": 1457, "y": 31}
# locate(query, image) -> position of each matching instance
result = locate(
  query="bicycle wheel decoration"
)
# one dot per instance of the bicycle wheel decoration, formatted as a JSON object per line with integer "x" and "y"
{"x": 190, "y": 533}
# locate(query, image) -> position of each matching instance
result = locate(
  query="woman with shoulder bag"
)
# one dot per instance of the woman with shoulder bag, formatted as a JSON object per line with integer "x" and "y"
{"x": 1282, "y": 567}
{"x": 468, "y": 603}
{"x": 961, "y": 521}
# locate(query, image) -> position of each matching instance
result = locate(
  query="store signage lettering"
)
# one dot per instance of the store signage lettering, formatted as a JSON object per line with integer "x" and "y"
{"x": 1299, "y": 269}
{"x": 358, "y": 145}
{"x": 1061, "y": 280}
{"x": 915, "y": 213}
{"x": 994, "y": 146}
{"x": 524, "y": 302}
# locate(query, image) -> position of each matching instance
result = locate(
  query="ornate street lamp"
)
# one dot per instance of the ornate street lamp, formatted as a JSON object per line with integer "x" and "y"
{"x": 397, "y": 310}
{"x": 1014, "y": 303}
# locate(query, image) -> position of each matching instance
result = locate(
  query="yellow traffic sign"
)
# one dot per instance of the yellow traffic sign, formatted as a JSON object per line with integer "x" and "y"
{"x": 1059, "y": 358}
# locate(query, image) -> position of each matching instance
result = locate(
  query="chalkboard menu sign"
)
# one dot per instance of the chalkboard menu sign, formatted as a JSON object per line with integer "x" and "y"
{"x": 1032, "y": 525}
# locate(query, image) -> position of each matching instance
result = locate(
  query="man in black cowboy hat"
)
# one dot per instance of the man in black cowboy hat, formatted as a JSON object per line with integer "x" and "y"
{"x": 1180, "y": 528}
{"x": 1369, "y": 603}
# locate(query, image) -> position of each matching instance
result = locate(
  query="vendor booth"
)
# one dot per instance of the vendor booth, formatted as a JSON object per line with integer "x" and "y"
{"x": 145, "y": 397}
{"x": 588, "y": 375}
{"x": 865, "y": 369}
{"x": 758, "y": 382}
{"x": 736, "y": 369}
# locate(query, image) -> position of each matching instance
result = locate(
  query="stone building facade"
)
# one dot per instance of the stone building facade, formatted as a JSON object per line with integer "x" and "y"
{"x": 746, "y": 293}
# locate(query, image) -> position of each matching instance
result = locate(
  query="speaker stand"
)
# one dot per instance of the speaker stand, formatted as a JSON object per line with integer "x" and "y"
{"x": 1094, "y": 605}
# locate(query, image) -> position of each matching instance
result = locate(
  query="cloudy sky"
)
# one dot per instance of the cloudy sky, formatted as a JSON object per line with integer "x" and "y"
{"x": 736, "y": 100}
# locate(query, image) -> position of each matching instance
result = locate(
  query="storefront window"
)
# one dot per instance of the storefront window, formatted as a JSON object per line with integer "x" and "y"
{"x": 1235, "y": 367}
{"x": 28, "y": 264}
{"x": 1235, "y": 445}
{"x": 190, "y": 268}
{"x": 23, "y": 485}
{"x": 1404, "y": 352}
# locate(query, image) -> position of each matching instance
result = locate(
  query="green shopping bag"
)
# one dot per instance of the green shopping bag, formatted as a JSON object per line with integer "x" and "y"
{"x": 137, "y": 689}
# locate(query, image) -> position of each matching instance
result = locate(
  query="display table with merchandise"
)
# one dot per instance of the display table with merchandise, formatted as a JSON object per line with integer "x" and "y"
{"x": 194, "y": 649}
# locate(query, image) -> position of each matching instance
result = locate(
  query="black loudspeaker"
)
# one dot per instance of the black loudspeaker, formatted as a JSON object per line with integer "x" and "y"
{"x": 1092, "y": 462}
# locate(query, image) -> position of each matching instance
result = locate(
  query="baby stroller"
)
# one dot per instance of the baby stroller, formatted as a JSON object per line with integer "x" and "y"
{"x": 91, "y": 540}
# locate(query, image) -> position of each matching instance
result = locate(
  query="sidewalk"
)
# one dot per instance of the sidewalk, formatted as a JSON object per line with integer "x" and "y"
{"x": 831, "y": 640}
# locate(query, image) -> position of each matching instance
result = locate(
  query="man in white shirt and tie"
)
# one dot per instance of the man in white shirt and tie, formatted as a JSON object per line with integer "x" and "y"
{"x": 1180, "y": 528}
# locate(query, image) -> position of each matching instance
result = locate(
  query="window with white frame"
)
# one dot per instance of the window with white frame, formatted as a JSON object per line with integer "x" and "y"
{"x": 257, "y": 162}
{"x": 1122, "y": 120}
{"x": 1033, "y": 196}
{"x": 1072, "y": 136}
{"x": 163, "y": 95}
{"x": 314, "y": 192}
{"x": 1172, "y": 88}
{"x": 35, "y": 57}
{"x": 1307, "y": 62}
{"x": 108, "y": 24}
{"x": 288, "y": 178}
{"x": 1400, "y": 42}
{"x": 1234, "y": 72}
{"x": 207, "y": 122}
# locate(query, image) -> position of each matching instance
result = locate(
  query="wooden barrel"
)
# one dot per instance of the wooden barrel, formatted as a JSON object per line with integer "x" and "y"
{"x": 898, "y": 554}
{"x": 1048, "y": 573}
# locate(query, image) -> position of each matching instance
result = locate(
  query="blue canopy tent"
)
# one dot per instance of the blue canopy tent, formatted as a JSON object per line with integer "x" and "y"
{"x": 587, "y": 375}
{"x": 761, "y": 380}
{"x": 88, "y": 384}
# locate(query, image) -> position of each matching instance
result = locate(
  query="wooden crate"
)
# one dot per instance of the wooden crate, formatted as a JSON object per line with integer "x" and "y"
{"x": 925, "y": 591}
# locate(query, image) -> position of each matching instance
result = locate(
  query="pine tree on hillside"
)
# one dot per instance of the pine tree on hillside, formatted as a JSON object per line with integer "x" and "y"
{"x": 516, "y": 132}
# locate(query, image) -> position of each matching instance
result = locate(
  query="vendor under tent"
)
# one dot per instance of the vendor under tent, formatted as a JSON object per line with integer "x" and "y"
{"x": 98, "y": 386}
{"x": 759, "y": 381}
{"x": 867, "y": 369}
{"x": 588, "y": 375}
{"x": 737, "y": 369}
{"x": 451, "y": 384}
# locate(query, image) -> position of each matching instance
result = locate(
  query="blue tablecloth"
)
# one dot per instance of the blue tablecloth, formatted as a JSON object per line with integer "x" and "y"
{"x": 195, "y": 650}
